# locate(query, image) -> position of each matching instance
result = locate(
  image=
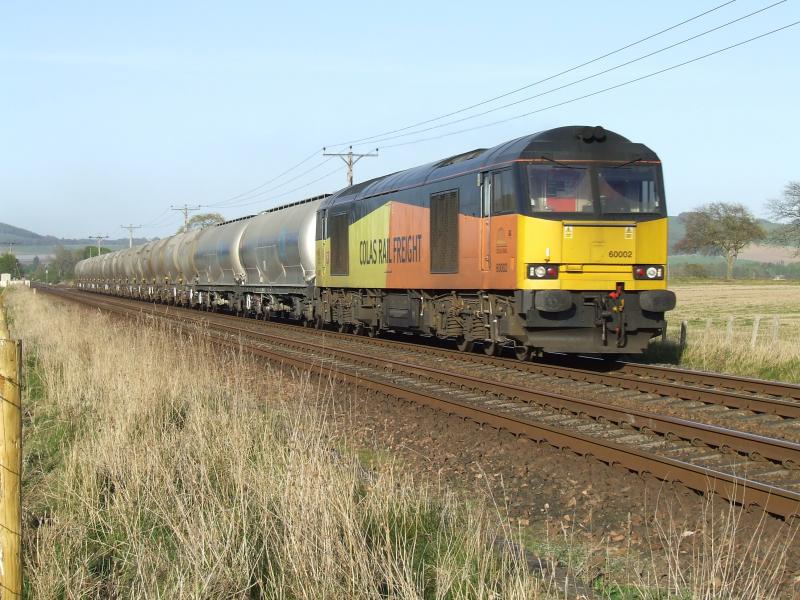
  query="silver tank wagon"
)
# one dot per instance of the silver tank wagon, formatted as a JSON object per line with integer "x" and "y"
{"x": 187, "y": 271}
{"x": 216, "y": 253}
{"x": 278, "y": 247}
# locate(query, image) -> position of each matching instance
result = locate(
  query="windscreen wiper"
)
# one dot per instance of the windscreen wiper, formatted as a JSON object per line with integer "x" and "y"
{"x": 630, "y": 162}
{"x": 560, "y": 164}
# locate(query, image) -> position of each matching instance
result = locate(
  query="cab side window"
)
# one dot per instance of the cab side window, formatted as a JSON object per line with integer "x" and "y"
{"x": 503, "y": 197}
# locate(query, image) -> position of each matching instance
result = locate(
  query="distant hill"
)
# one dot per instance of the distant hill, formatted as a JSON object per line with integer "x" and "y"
{"x": 17, "y": 235}
{"x": 27, "y": 244}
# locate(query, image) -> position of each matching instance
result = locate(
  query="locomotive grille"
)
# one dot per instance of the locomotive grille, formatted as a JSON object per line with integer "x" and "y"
{"x": 340, "y": 243}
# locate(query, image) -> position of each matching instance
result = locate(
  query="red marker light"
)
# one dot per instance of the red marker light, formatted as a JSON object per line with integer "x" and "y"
{"x": 552, "y": 271}
{"x": 640, "y": 272}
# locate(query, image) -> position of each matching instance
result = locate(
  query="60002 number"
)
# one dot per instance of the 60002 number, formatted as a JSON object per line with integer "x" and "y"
{"x": 620, "y": 254}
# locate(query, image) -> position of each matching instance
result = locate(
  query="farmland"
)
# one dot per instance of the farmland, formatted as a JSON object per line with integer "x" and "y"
{"x": 721, "y": 318}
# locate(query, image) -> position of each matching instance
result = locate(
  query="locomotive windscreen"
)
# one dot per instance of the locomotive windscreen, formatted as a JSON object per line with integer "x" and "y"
{"x": 628, "y": 190}
{"x": 625, "y": 190}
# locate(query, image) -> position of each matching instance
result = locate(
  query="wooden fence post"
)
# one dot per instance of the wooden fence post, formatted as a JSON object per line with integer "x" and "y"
{"x": 729, "y": 332}
{"x": 684, "y": 334}
{"x": 776, "y": 323}
{"x": 10, "y": 463}
{"x": 754, "y": 337}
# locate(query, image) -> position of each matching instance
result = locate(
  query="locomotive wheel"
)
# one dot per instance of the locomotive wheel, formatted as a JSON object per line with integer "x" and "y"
{"x": 523, "y": 352}
{"x": 373, "y": 331}
{"x": 491, "y": 348}
{"x": 465, "y": 345}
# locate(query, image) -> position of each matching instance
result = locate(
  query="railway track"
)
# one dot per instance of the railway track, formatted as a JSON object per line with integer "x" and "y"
{"x": 746, "y": 448}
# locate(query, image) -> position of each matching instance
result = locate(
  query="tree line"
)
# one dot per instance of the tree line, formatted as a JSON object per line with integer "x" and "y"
{"x": 722, "y": 228}
{"x": 718, "y": 228}
{"x": 59, "y": 268}
{"x": 62, "y": 266}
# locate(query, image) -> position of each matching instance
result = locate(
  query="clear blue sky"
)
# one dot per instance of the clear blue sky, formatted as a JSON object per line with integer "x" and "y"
{"x": 112, "y": 111}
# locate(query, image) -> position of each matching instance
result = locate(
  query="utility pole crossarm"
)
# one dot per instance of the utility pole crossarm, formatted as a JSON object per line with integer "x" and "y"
{"x": 185, "y": 209}
{"x": 349, "y": 159}
{"x": 98, "y": 239}
{"x": 130, "y": 229}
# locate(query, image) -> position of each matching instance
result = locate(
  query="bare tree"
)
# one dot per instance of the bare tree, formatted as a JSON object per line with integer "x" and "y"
{"x": 720, "y": 228}
{"x": 202, "y": 221}
{"x": 787, "y": 210}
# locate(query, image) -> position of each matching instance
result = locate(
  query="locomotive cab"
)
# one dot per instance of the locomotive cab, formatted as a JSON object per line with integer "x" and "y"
{"x": 593, "y": 247}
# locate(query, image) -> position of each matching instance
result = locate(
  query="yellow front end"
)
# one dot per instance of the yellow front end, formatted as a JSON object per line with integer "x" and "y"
{"x": 591, "y": 255}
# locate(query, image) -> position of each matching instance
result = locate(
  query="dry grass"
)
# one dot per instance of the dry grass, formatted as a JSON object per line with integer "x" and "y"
{"x": 157, "y": 469}
{"x": 708, "y": 308}
{"x": 707, "y": 557}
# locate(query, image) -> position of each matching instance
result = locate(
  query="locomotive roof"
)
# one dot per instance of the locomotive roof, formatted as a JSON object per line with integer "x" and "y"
{"x": 575, "y": 142}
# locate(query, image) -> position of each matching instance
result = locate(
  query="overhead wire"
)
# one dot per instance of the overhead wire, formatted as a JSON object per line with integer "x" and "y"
{"x": 269, "y": 181}
{"x": 256, "y": 194}
{"x": 597, "y": 92}
{"x": 156, "y": 219}
{"x": 475, "y": 105}
{"x": 540, "y": 81}
{"x": 582, "y": 79}
{"x": 231, "y": 203}
{"x": 338, "y": 169}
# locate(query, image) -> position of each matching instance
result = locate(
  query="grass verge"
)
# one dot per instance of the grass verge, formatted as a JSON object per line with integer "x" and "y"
{"x": 721, "y": 333}
{"x": 157, "y": 466}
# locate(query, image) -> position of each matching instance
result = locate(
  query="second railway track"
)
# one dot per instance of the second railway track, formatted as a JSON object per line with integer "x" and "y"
{"x": 746, "y": 449}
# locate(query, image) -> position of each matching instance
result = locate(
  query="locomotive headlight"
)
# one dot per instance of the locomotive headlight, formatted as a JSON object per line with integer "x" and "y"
{"x": 648, "y": 272}
{"x": 543, "y": 271}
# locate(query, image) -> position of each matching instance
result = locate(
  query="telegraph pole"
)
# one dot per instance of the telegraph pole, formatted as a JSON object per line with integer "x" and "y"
{"x": 98, "y": 238}
{"x": 130, "y": 229}
{"x": 349, "y": 159}
{"x": 11, "y": 247}
{"x": 185, "y": 209}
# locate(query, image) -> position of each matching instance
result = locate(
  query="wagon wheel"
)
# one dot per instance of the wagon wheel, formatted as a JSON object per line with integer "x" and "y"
{"x": 318, "y": 322}
{"x": 359, "y": 329}
{"x": 465, "y": 345}
{"x": 373, "y": 331}
{"x": 523, "y": 352}
{"x": 344, "y": 327}
{"x": 491, "y": 348}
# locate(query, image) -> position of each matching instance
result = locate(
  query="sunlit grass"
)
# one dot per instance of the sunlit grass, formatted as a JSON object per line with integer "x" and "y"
{"x": 720, "y": 320}
{"x": 157, "y": 467}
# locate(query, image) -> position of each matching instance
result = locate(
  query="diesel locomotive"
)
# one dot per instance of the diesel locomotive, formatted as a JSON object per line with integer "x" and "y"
{"x": 552, "y": 242}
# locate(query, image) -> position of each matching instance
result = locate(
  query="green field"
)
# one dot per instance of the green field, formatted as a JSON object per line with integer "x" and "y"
{"x": 721, "y": 317}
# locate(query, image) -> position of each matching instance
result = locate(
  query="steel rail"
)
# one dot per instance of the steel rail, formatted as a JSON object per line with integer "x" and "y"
{"x": 785, "y": 452}
{"x": 680, "y": 383}
{"x": 700, "y": 378}
{"x": 771, "y": 498}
